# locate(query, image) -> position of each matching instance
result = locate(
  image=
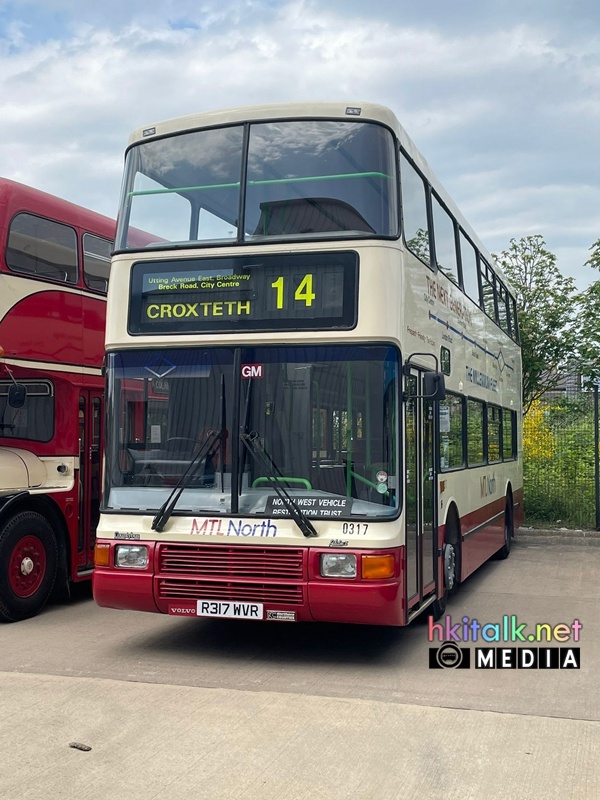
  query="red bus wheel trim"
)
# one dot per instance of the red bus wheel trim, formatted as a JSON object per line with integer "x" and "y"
{"x": 27, "y": 566}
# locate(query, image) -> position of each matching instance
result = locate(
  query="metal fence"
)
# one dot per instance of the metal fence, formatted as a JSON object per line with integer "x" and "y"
{"x": 560, "y": 468}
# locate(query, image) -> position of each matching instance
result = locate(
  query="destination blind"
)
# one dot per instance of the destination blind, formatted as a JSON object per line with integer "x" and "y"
{"x": 305, "y": 291}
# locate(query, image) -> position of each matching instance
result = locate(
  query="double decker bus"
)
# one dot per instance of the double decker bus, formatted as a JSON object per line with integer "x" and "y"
{"x": 54, "y": 268}
{"x": 313, "y": 375}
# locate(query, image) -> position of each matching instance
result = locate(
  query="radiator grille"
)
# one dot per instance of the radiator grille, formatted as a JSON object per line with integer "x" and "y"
{"x": 279, "y": 594}
{"x": 218, "y": 572}
{"x": 220, "y": 561}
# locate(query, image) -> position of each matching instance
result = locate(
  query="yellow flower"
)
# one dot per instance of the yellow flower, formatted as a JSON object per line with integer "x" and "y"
{"x": 538, "y": 439}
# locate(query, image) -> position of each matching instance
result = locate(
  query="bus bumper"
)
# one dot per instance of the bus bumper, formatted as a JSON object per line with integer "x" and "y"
{"x": 222, "y": 576}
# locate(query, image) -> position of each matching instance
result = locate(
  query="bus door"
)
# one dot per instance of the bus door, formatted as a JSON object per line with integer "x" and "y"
{"x": 90, "y": 417}
{"x": 420, "y": 492}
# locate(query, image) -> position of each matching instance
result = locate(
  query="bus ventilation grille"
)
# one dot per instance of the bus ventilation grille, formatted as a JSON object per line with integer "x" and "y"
{"x": 237, "y": 563}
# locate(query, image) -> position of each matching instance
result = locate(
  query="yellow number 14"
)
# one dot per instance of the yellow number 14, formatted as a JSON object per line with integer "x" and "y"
{"x": 304, "y": 292}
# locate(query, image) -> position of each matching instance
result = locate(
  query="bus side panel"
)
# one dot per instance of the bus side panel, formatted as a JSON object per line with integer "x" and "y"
{"x": 482, "y": 536}
{"x": 364, "y": 604}
{"x": 518, "y": 508}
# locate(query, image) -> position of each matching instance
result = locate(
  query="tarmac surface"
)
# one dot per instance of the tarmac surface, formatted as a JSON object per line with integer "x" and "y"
{"x": 212, "y": 719}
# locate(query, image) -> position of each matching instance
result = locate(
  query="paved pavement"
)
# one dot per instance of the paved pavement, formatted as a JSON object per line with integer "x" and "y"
{"x": 386, "y": 728}
{"x": 151, "y": 741}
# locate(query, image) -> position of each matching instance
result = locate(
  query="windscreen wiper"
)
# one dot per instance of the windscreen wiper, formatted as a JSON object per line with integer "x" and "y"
{"x": 165, "y": 511}
{"x": 257, "y": 450}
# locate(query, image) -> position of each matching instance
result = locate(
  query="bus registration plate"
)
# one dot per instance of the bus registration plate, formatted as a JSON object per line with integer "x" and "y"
{"x": 220, "y": 608}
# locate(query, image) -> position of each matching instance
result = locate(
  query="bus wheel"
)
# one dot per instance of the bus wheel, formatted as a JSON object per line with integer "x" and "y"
{"x": 452, "y": 557}
{"x": 28, "y": 565}
{"x": 509, "y": 531}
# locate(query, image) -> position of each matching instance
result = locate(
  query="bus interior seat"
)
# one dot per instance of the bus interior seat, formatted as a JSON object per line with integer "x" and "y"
{"x": 309, "y": 215}
{"x": 98, "y": 284}
{"x": 332, "y": 477}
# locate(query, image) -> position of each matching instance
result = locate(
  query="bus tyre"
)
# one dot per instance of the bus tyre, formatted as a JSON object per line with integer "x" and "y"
{"x": 28, "y": 565}
{"x": 451, "y": 555}
{"x": 509, "y": 531}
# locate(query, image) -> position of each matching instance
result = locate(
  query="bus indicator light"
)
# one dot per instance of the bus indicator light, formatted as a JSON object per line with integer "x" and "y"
{"x": 102, "y": 555}
{"x": 377, "y": 567}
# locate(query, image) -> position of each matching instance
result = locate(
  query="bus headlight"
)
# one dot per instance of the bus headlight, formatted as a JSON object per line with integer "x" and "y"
{"x": 338, "y": 565}
{"x": 131, "y": 556}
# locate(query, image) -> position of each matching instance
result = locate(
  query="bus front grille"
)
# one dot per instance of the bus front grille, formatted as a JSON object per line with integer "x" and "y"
{"x": 237, "y": 563}
{"x": 181, "y": 589}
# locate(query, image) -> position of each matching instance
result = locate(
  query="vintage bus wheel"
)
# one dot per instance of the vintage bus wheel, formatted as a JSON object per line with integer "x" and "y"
{"x": 509, "y": 531}
{"x": 28, "y": 565}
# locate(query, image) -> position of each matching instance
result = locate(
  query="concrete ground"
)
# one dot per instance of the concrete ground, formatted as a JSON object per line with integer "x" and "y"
{"x": 151, "y": 741}
{"x": 399, "y": 731}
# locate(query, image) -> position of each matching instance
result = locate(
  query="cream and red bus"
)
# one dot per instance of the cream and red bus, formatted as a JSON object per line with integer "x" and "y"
{"x": 54, "y": 268}
{"x": 313, "y": 375}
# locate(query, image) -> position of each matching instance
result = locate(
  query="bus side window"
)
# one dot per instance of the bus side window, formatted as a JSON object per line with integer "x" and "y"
{"x": 468, "y": 258}
{"x": 475, "y": 427}
{"x": 488, "y": 290}
{"x": 451, "y": 421}
{"x": 39, "y": 246}
{"x": 445, "y": 242}
{"x": 414, "y": 212}
{"x": 96, "y": 262}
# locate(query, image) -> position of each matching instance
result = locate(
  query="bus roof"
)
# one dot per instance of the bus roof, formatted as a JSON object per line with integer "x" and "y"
{"x": 15, "y": 197}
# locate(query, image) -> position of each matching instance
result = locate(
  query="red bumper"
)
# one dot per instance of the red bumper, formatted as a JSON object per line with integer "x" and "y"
{"x": 281, "y": 579}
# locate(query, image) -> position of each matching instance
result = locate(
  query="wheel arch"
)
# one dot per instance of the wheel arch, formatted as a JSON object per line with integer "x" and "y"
{"x": 452, "y": 518}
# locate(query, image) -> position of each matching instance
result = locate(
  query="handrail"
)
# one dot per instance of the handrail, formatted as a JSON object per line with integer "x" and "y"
{"x": 267, "y": 182}
{"x": 263, "y": 479}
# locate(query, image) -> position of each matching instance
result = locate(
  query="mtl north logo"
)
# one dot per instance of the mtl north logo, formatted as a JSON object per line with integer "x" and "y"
{"x": 450, "y": 656}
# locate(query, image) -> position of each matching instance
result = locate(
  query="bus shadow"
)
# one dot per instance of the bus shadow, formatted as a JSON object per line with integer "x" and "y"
{"x": 303, "y": 643}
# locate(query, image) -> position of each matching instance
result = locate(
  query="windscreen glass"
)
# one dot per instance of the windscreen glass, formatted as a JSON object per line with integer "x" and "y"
{"x": 299, "y": 179}
{"x": 324, "y": 420}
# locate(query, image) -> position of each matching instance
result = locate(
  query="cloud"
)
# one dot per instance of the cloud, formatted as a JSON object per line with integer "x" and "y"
{"x": 503, "y": 105}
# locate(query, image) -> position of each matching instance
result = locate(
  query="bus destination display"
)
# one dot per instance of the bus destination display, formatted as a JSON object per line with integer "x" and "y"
{"x": 276, "y": 292}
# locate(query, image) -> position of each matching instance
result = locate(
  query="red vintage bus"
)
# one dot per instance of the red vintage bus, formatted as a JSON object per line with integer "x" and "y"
{"x": 54, "y": 268}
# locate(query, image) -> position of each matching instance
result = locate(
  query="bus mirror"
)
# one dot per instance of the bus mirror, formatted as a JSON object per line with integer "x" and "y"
{"x": 16, "y": 395}
{"x": 434, "y": 386}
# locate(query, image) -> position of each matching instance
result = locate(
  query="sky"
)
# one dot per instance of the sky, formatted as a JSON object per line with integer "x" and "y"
{"x": 502, "y": 97}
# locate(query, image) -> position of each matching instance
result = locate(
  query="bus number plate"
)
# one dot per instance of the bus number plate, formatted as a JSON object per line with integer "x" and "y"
{"x": 220, "y": 608}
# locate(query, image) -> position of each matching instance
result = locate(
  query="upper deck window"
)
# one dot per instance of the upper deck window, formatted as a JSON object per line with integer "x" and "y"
{"x": 414, "y": 212}
{"x": 297, "y": 179}
{"x": 42, "y": 247}
{"x": 96, "y": 261}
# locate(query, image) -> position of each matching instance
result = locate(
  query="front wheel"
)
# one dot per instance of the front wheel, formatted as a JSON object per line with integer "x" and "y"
{"x": 451, "y": 555}
{"x": 28, "y": 565}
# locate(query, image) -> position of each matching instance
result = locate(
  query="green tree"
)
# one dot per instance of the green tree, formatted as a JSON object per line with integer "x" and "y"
{"x": 589, "y": 322}
{"x": 594, "y": 259}
{"x": 548, "y": 305}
